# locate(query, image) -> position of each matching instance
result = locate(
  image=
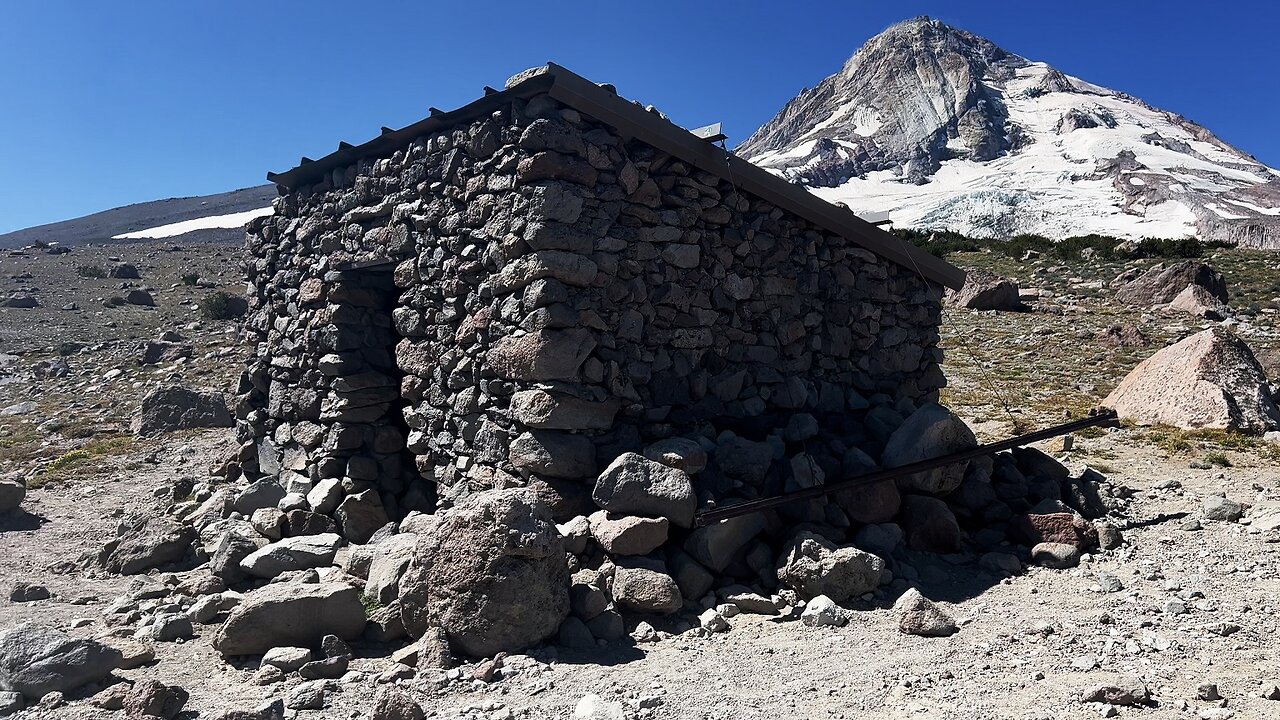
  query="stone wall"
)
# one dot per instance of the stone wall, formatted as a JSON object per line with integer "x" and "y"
{"x": 562, "y": 295}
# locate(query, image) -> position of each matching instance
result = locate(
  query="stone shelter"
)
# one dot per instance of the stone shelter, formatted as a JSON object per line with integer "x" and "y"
{"x": 519, "y": 291}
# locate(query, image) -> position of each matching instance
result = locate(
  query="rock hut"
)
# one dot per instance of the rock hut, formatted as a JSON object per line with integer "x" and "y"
{"x": 522, "y": 291}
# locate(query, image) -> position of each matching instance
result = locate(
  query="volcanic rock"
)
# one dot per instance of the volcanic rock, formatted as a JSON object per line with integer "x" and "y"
{"x": 1209, "y": 380}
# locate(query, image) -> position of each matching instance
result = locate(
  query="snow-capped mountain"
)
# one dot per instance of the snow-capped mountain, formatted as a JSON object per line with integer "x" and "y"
{"x": 945, "y": 130}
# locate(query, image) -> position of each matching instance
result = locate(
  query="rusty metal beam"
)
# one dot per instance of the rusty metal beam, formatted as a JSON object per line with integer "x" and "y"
{"x": 754, "y": 506}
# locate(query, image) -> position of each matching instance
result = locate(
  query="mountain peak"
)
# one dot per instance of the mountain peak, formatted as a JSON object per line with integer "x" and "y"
{"x": 946, "y": 130}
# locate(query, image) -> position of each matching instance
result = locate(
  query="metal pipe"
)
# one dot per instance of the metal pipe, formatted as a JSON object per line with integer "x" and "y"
{"x": 751, "y": 506}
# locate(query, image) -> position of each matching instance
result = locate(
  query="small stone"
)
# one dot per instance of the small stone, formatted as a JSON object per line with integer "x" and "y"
{"x": 1218, "y": 507}
{"x": 918, "y": 615}
{"x": 594, "y": 707}
{"x": 822, "y": 611}
{"x": 330, "y": 668}
{"x": 307, "y": 696}
{"x": 712, "y": 621}
{"x": 12, "y": 702}
{"x": 1128, "y": 694}
{"x": 1108, "y": 582}
{"x": 1271, "y": 692}
{"x": 1055, "y": 555}
{"x": 1208, "y": 692}
{"x": 288, "y": 659}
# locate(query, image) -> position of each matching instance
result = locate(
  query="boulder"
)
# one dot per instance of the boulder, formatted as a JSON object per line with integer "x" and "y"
{"x": 493, "y": 575}
{"x": 155, "y": 352}
{"x": 360, "y": 515}
{"x": 1059, "y": 556}
{"x": 36, "y": 660}
{"x": 295, "y": 553}
{"x": 124, "y": 271}
{"x": 680, "y": 453}
{"x": 391, "y": 559}
{"x": 628, "y": 534}
{"x": 822, "y": 611}
{"x": 12, "y": 493}
{"x": 918, "y": 615}
{"x": 232, "y": 548}
{"x": 152, "y": 699}
{"x": 154, "y": 543}
{"x": 554, "y": 454}
{"x": 636, "y": 485}
{"x": 1209, "y": 380}
{"x": 1159, "y": 285}
{"x": 297, "y": 614}
{"x": 645, "y": 589}
{"x": 141, "y": 297}
{"x": 287, "y": 659}
{"x": 929, "y": 432}
{"x": 929, "y": 525}
{"x": 264, "y": 493}
{"x": 717, "y": 544}
{"x": 985, "y": 290}
{"x": 1195, "y": 300}
{"x": 174, "y": 407}
{"x": 868, "y": 504}
{"x": 392, "y": 703}
{"x": 1068, "y": 528}
{"x": 812, "y": 565}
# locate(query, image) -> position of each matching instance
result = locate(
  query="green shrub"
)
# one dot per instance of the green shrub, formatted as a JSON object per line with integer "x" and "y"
{"x": 1017, "y": 246}
{"x": 223, "y": 306}
{"x": 1073, "y": 248}
{"x": 92, "y": 271}
{"x": 190, "y": 279}
{"x": 1170, "y": 248}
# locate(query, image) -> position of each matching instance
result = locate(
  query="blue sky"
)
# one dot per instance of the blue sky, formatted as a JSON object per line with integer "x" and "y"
{"x": 107, "y": 104}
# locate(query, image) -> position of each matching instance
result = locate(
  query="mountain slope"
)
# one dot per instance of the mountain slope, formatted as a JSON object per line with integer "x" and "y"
{"x": 945, "y": 130}
{"x": 220, "y": 217}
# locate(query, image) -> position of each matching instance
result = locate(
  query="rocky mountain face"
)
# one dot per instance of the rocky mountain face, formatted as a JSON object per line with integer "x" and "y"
{"x": 946, "y": 130}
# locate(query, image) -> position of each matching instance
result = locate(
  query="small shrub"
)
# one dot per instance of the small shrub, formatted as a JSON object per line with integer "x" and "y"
{"x": 223, "y": 306}
{"x": 84, "y": 459}
{"x": 96, "y": 272}
{"x": 1017, "y": 246}
{"x": 190, "y": 279}
{"x": 1217, "y": 459}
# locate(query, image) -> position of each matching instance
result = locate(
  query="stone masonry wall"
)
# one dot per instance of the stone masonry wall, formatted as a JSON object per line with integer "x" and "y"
{"x": 562, "y": 295}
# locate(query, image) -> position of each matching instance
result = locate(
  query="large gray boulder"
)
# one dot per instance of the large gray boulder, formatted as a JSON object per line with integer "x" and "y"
{"x": 492, "y": 575}
{"x": 35, "y": 660}
{"x": 985, "y": 290}
{"x": 812, "y": 565}
{"x": 175, "y": 407}
{"x": 636, "y": 485}
{"x": 293, "y": 614}
{"x": 1160, "y": 285}
{"x": 295, "y": 553}
{"x": 931, "y": 431}
{"x": 154, "y": 543}
{"x": 1209, "y": 380}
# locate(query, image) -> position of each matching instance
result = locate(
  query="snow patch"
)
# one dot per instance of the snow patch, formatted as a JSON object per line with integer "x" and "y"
{"x": 229, "y": 221}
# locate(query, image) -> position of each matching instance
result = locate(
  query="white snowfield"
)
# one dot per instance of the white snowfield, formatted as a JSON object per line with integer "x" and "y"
{"x": 229, "y": 221}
